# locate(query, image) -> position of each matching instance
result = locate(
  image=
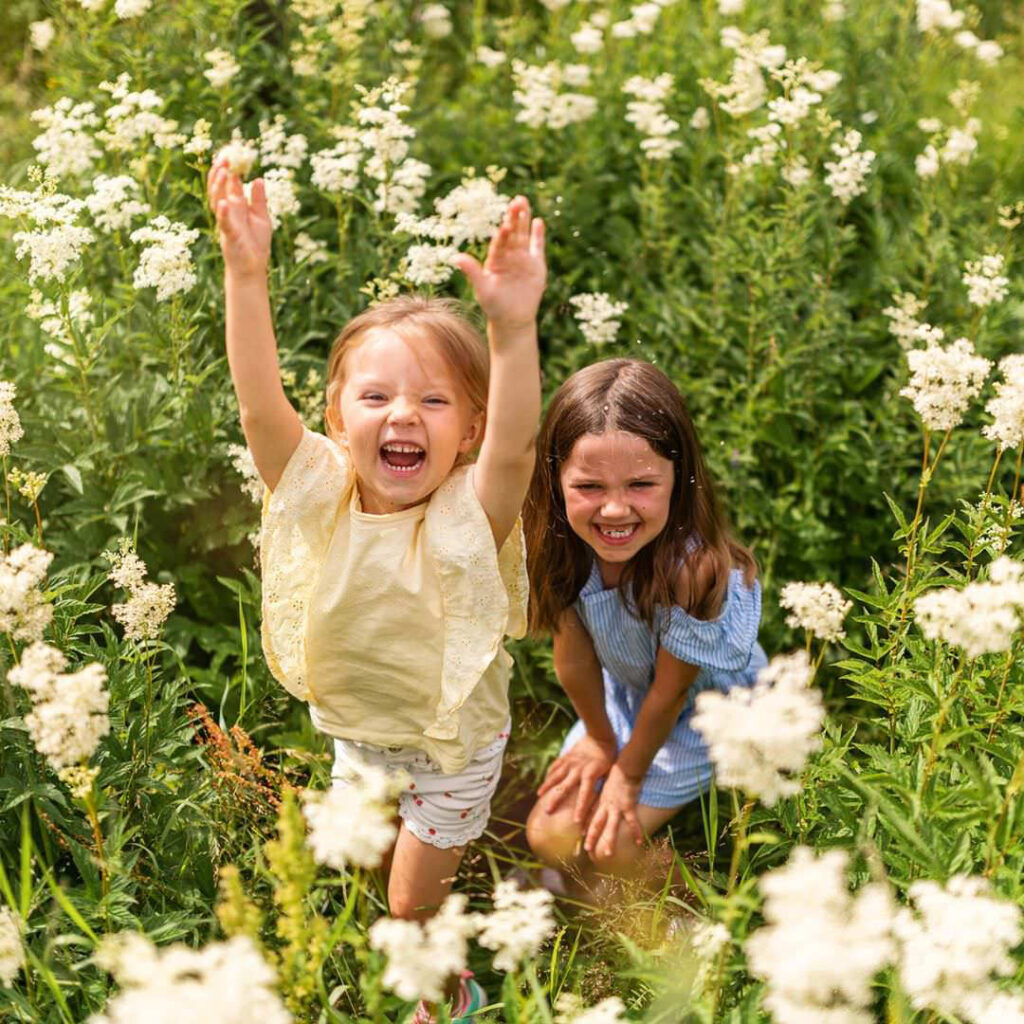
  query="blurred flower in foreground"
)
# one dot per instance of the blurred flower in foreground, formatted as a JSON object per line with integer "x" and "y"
{"x": 223, "y": 67}
{"x": 222, "y": 983}
{"x": 569, "y": 1009}
{"x": 943, "y": 381}
{"x": 24, "y": 612}
{"x": 817, "y": 607}
{"x": 40, "y": 34}
{"x": 759, "y": 738}
{"x": 519, "y": 924}
{"x": 10, "y": 421}
{"x": 12, "y": 952}
{"x": 821, "y": 946}
{"x": 421, "y": 957}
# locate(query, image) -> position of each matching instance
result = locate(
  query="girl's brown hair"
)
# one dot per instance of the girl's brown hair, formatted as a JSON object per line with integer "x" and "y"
{"x": 636, "y": 397}
{"x": 445, "y": 321}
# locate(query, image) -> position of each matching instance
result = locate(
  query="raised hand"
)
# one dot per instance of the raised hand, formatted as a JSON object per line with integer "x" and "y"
{"x": 244, "y": 224}
{"x": 510, "y": 282}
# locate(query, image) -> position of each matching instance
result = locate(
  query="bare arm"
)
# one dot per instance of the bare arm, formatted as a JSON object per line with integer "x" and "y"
{"x": 271, "y": 426}
{"x": 508, "y": 286}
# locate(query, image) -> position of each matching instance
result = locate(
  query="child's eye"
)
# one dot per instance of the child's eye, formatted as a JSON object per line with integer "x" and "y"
{"x": 585, "y": 487}
{"x": 436, "y": 401}
{"x": 372, "y": 396}
{"x": 643, "y": 483}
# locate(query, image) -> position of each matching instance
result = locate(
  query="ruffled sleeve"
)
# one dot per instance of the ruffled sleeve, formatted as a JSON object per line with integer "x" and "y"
{"x": 722, "y": 644}
{"x": 484, "y": 592}
{"x": 297, "y": 523}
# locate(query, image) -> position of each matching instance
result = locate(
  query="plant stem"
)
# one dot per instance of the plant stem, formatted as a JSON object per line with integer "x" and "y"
{"x": 984, "y": 505}
{"x": 944, "y": 709}
{"x": 738, "y": 846}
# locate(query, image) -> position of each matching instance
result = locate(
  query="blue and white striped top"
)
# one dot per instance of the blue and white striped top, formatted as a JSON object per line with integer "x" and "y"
{"x": 724, "y": 648}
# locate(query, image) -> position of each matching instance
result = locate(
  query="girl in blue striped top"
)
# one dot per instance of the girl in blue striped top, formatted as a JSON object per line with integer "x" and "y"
{"x": 650, "y": 600}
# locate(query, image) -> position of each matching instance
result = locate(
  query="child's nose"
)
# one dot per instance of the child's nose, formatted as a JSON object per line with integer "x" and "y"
{"x": 402, "y": 410}
{"x": 614, "y": 505}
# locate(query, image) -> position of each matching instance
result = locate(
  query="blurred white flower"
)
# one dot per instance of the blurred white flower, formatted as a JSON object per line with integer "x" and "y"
{"x": 166, "y": 262}
{"x": 402, "y": 192}
{"x": 820, "y": 947}
{"x": 960, "y": 144}
{"x": 818, "y": 608}
{"x": 278, "y": 148}
{"x": 930, "y": 125}
{"x": 954, "y": 940}
{"x": 488, "y": 57}
{"x": 988, "y": 51}
{"x": 943, "y": 381}
{"x": 223, "y": 67}
{"x": 519, "y": 924}
{"x": 588, "y": 38}
{"x": 133, "y": 119}
{"x": 222, "y": 983}
{"x": 569, "y": 1009}
{"x": 436, "y": 21}
{"x": 760, "y": 737}
{"x": 700, "y": 119}
{"x": 1006, "y": 408}
{"x": 727, "y": 8}
{"x": 598, "y": 316}
{"x": 421, "y": 957}
{"x": 353, "y": 821}
{"x": 933, "y": 15}
{"x": 846, "y": 175}
{"x": 926, "y": 163}
{"x": 282, "y": 198}
{"x": 537, "y": 93}
{"x": 647, "y": 113}
{"x": 429, "y": 264}
{"x": 902, "y": 315}
{"x": 982, "y": 617}
{"x": 125, "y": 9}
{"x": 12, "y": 952}
{"x": 10, "y": 422}
{"x": 113, "y": 203}
{"x": 834, "y": 10}
{"x": 24, "y": 612}
{"x": 40, "y": 34}
{"x": 309, "y": 250}
{"x": 796, "y": 172}
{"x": 985, "y": 281}
{"x": 69, "y": 714}
{"x": 242, "y": 461}
{"x": 240, "y": 155}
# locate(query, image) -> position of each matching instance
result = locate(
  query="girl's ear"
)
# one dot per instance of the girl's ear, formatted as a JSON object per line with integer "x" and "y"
{"x": 335, "y": 425}
{"x": 474, "y": 433}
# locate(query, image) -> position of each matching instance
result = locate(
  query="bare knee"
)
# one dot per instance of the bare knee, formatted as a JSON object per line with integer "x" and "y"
{"x": 554, "y": 838}
{"x": 623, "y": 861}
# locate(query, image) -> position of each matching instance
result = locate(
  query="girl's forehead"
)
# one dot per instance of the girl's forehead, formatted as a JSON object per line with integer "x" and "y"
{"x": 383, "y": 352}
{"x": 615, "y": 452}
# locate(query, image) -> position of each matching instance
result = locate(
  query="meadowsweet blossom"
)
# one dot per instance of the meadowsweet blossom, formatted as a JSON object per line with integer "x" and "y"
{"x": 598, "y": 316}
{"x": 429, "y": 264}
{"x": 542, "y": 103}
{"x": 700, "y": 119}
{"x": 943, "y": 381}
{"x": 647, "y": 113}
{"x": 113, "y": 202}
{"x": 12, "y": 952}
{"x": 199, "y": 142}
{"x": 817, "y": 607}
{"x": 588, "y": 38}
{"x": 834, "y": 10}
{"x": 24, "y": 612}
{"x": 10, "y": 422}
{"x": 352, "y": 822}
{"x": 1007, "y": 406}
{"x": 555, "y": 5}
{"x": 245, "y": 466}
{"x": 126, "y": 9}
{"x": 52, "y": 252}
{"x": 223, "y": 67}
{"x": 65, "y": 147}
{"x": 519, "y": 924}
{"x": 728, "y": 8}
{"x": 278, "y": 148}
{"x": 846, "y": 175}
{"x": 421, "y": 957}
{"x": 641, "y": 21}
{"x": 148, "y": 604}
{"x": 222, "y": 983}
{"x": 926, "y": 163}
{"x": 570, "y": 1009}
{"x": 69, "y": 713}
{"x": 982, "y": 617}
{"x": 436, "y": 21}
{"x": 240, "y": 155}
{"x": 40, "y": 34}
{"x": 166, "y": 262}
{"x": 955, "y": 939}
{"x": 961, "y": 143}
{"x": 760, "y": 737}
{"x": 79, "y": 779}
{"x": 489, "y": 57}
{"x": 469, "y": 213}
{"x": 336, "y": 169}
{"x": 821, "y": 946}
{"x": 985, "y": 281}
{"x": 309, "y": 250}
{"x": 933, "y": 15}
{"x": 134, "y": 119}
{"x": 988, "y": 51}
{"x": 282, "y": 197}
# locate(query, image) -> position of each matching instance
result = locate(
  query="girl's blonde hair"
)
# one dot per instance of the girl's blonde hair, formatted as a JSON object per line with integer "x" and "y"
{"x": 636, "y": 397}
{"x": 444, "y": 321}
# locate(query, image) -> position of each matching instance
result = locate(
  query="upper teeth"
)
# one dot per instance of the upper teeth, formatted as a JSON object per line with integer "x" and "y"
{"x": 622, "y": 531}
{"x": 398, "y": 447}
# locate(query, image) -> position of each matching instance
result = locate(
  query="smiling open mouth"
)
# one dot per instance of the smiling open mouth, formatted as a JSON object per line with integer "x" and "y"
{"x": 616, "y": 534}
{"x": 402, "y": 457}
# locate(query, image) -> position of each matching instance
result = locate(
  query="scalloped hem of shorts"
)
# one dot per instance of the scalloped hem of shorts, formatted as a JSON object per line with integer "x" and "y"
{"x": 438, "y": 840}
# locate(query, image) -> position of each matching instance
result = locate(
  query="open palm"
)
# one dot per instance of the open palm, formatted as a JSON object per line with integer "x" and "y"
{"x": 509, "y": 283}
{"x": 244, "y": 224}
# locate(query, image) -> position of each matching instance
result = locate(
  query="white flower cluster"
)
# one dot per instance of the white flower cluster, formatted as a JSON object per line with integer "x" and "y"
{"x": 489, "y": 57}
{"x": 309, "y": 250}
{"x": 539, "y": 95}
{"x": 642, "y": 19}
{"x": 126, "y": 9}
{"x": 40, "y": 34}
{"x": 24, "y": 612}
{"x": 166, "y": 262}
{"x": 933, "y": 15}
{"x": 69, "y": 714}
{"x": 943, "y": 381}
{"x": 279, "y": 189}
{"x": 759, "y": 738}
{"x": 52, "y": 251}
{"x": 436, "y": 20}
{"x": 569, "y": 1009}
{"x": 903, "y": 322}
{"x": 745, "y": 91}
{"x": 353, "y": 821}
{"x": 148, "y": 604}
{"x": 519, "y": 924}
{"x": 820, "y": 947}
{"x": 985, "y": 281}
{"x": 242, "y": 461}
{"x": 134, "y": 119}
{"x": 983, "y": 617}
{"x": 113, "y": 202}
{"x": 12, "y": 952}
{"x": 647, "y": 112}
{"x": 817, "y": 607}
{"x": 846, "y": 175}
{"x": 589, "y": 37}
{"x": 1006, "y": 408}
{"x": 278, "y": 148}
{"x": 222, "y": 983}
{"x": 10, "y": 422}
{"x": 223, "y": 67}
{"x": 988, "y": 51}
{"x": 65, "y": 147}
{"x": 200, "y": 141}
{"x": 959, "y": 937}
{"x": 834, "y": 10}
{"x": 239, "y": 153}
{"x": 598, "y": 316}
{"x": 428, "y": 264}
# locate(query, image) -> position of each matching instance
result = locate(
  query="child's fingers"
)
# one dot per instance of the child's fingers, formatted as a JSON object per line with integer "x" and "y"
{"x": 585, "y": 797}
{"x": 634, "y": 826}
{"x": 556, "y": 771}
{"x": 521, "y": 222}
{"x": 259, "y": 199}
{"x": 471, "y": 268}
{"x": 537, "y": 232}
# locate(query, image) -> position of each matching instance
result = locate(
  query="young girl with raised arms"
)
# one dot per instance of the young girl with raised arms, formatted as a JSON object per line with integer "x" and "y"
{"x": 650, "y": 600}
{"x": 393, "y": 565}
